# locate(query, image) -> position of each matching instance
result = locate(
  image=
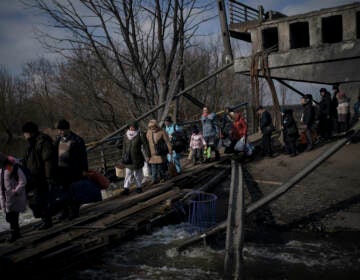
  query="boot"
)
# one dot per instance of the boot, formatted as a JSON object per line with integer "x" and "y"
{"x": 14, "y": 235}
{"x": 47, "y": 223}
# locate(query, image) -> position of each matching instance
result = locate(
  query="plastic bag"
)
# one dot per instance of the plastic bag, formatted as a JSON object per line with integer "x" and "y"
{"x": 240, "y": 145}
{"x": 146, "y": 170}
{"x": 249, "y": 149}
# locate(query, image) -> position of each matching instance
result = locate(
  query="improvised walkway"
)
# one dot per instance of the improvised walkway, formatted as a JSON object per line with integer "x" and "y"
{"x": 50, "y": 252}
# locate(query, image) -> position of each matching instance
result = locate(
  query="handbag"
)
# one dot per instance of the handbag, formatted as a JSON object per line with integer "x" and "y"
{"x": 161, "y": 149}
{"x": 126, "y": 159}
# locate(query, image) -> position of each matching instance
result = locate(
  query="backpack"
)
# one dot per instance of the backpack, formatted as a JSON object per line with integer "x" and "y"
{"x": 26, "y": 171}
{"x": 178, "y": 140}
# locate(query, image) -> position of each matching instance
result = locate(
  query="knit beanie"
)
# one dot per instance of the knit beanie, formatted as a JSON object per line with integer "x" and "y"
{"x": 30, "y": 127}
{"x": 63, "y": 124}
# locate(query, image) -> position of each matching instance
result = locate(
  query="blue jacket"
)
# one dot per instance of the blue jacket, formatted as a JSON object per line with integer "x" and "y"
{"x": 209, "y": 125}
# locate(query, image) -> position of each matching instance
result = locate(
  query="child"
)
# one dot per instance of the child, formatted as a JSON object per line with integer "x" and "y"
{"x": 197, "y": 144}
{"x": 12, "y": 194}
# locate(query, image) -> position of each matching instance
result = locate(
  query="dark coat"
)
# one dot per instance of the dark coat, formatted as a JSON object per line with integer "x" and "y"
{"x": 265, "y": 122}
{"x": 290, "y": 131}
{"x": 308, "y": 114}
{"x": 40, "y": 159}
{"x": 325, "y": 106}
{"x": 137, "y": 147}
{"x": 77, "y": 161}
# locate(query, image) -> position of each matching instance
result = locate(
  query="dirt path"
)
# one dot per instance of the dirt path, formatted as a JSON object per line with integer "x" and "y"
{"x": 328, "y": 198}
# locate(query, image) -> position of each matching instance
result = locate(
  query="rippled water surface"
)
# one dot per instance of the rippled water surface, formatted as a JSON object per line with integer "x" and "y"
{"x": 155, "y": 257}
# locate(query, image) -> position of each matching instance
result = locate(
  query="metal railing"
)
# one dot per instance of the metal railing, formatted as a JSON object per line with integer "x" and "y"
{"x": 105, "y": 153}
{"x": 240, "y": 12}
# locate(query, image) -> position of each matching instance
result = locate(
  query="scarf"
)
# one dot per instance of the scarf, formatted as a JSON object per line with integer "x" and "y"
{"x": 131, "y": 134}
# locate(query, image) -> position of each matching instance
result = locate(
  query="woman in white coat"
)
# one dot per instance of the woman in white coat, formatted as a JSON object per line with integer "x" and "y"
{"x": 12, "y": 194}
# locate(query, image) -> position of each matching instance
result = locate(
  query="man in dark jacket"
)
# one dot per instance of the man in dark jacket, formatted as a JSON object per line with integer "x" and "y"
{"x": 308, "y": 119}
{"x": 325, "y": 114}
{"x": 72, "y": 162}
{"x": 266, "y": 127}
{"x": 40, "y": 160}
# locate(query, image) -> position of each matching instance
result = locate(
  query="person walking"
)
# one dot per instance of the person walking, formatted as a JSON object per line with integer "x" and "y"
{"x": 72, "y": 163}
{"x": 334, "y": 106}
{"x": 308, "y": 119}
{"x": 12, "y": 194}
{"x": 160, "y": 147}
{"x": 239, "y": 129}
{"x": 325, "y": 115}
{"x": 343, "y": 111}
{"x": 266, "y": 127}
{"x": 40, "y": 160}
{"x": 135, "y": 146}
{"x": 173, "y": 131}
{"x": 210, "y": 131}
{"x": 197, "y": 145}
{"x": 290, "y": 132}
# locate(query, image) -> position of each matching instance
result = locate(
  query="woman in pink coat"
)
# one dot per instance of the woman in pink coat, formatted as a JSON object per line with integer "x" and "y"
{"x": 12, "y": 194}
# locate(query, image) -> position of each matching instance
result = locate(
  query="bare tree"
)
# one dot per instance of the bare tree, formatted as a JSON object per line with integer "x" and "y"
{"x": 140, "y": 44}
{"x": 39, "y": 77}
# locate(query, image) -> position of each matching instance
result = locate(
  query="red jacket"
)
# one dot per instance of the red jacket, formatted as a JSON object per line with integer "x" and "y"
{"x": 239, "y": 127}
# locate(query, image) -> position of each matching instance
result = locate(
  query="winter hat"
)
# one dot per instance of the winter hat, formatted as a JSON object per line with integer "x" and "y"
{"x": 259, "y": 108}
{"x": 63, "y": 124}
{"x": 168, "y": 119}
{"x": 195, "y": 129}
{"x": 30, "y": 127}
{"x": 309, "y": 97}
{"x": 134, "y": 124}
{"x": 3, "y": 160}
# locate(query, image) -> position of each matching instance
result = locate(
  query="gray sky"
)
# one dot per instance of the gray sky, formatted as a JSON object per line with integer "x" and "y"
{"x": 18, "y": 43}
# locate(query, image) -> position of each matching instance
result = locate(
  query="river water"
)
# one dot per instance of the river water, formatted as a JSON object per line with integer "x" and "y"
{"x": 268, "y": 254}
{"x": 291, "y": 256}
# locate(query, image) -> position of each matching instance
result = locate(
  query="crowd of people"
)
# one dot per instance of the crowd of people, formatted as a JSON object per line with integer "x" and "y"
{"x": 50, "y": 166}
{"x": 62, "y": 163}
{"x": 330, "y": 116}
{"x": 161, "y": 147}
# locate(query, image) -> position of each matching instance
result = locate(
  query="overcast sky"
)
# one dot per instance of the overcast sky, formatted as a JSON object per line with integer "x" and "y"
{"x": 18, "y": 43}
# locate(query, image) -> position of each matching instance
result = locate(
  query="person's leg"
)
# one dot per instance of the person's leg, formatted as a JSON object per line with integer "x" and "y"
{"x": 194, "y": 156}
{"x": 267, "y": 144}
{"x": 13, "y": 219}
{"x": 153, "y": 172}
{"x": 162, "y": 169}
{"x": 309, "y": 141}
{"x": 127, "y": 180}
{"x": 138, "y": 176}
{"x": 176, "y": 159}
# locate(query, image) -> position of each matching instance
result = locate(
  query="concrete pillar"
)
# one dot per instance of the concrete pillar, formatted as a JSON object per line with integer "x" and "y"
{"x": 256, "y": 40}
{"x": 315, "y": 31}
{"x": 228, "y": 56}
{"x": 284, "y": 36}
{"x": 349, "y": 25}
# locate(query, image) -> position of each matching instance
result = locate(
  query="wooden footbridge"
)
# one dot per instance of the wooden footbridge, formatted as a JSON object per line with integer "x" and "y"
{"x": 104, "y": 224}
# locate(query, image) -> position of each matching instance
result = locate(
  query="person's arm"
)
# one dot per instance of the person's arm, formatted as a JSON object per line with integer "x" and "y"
{"x": 21, "y": 183}
{"x": 167, "y": 141}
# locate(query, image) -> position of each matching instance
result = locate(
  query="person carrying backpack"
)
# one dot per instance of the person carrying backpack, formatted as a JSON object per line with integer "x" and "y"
{"x": 12, "y": 194}
{"x": 177, "y": 140}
